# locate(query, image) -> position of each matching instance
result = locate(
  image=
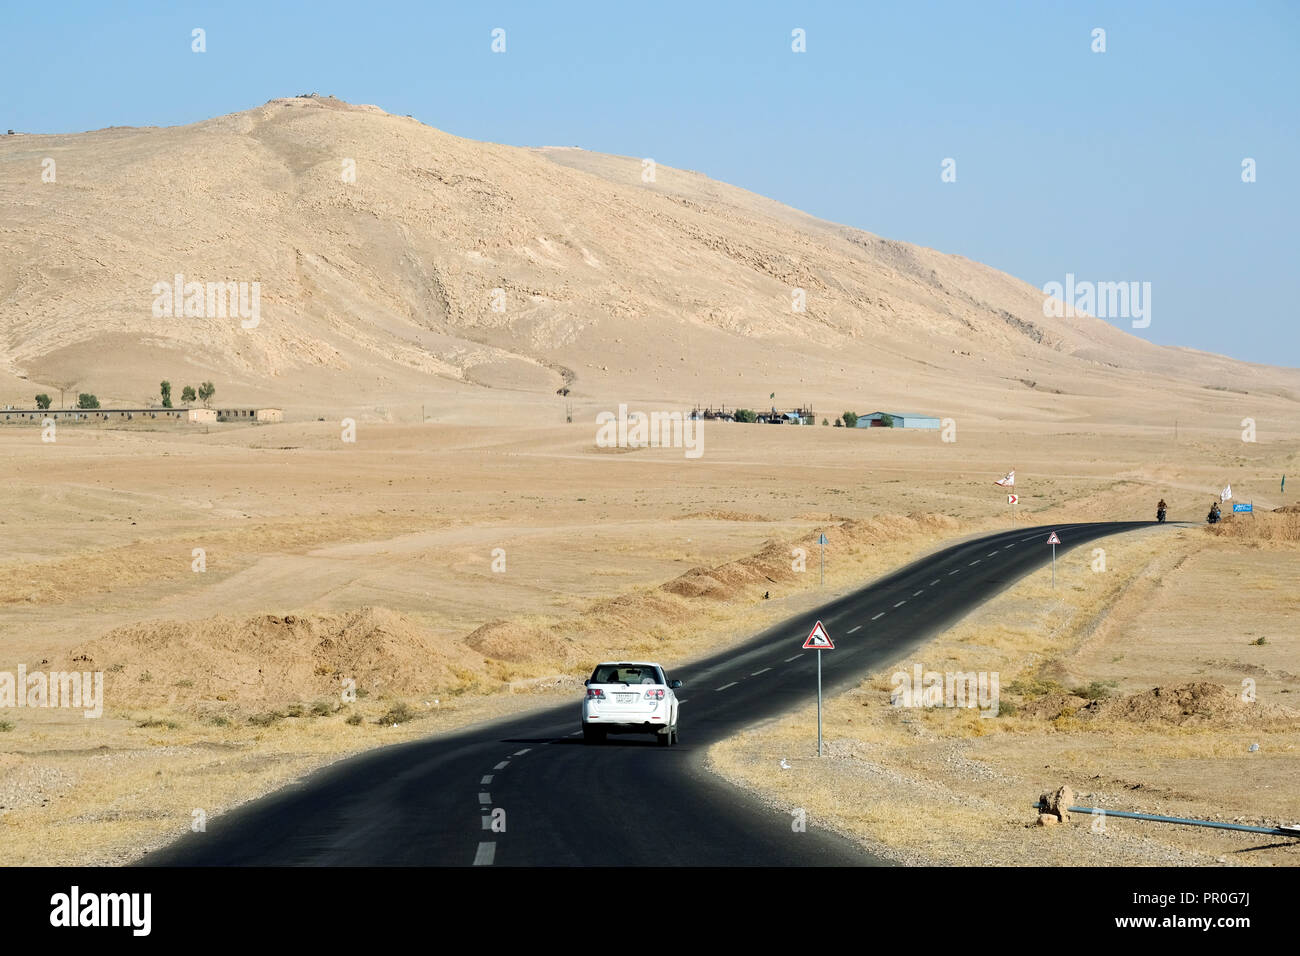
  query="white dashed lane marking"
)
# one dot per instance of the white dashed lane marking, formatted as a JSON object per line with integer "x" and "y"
{"x": 918, "y": 593}
{"x": 951, "y": 573}
{"x": 487, "y": 778}
{"x": 485, "y": 798}
{"x": 900, "y": 603}
{"x": 487, "y": 821}
{"x": 881, "y": 614}
{"x": 486, "y": 854}
{"x": 973, "y": 563}
{"x": 763, "y": 671}
{"x": 789, "y": 659}
{"x": 503, "y": 764}
{"x": 520, "y": 753}
{"x": 725, "y": 686}
{"x": 933, "y": 583}
{"x": 858, "y": 628}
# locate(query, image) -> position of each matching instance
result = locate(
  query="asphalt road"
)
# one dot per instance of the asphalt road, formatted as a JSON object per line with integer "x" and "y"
{"x": 628, "y": 802}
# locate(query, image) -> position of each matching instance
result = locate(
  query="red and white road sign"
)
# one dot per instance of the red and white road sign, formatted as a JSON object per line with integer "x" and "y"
{"x": 1012, "y": 499}
{"x": 1053, "y": 539}
{"x": 819, "y": 639}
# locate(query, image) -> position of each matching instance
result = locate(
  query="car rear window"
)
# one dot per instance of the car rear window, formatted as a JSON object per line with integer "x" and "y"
{"x": 626, "y": 674}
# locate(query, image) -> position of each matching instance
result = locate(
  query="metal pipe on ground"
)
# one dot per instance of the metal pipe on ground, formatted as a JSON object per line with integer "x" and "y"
{"x": 1293, "y": 831}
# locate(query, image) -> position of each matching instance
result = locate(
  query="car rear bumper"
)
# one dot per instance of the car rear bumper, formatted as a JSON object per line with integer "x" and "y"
{"x": 622, "y": 723}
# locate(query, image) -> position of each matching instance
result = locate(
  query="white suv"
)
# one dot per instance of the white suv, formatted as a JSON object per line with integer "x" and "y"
{"x": 630, "y": 698}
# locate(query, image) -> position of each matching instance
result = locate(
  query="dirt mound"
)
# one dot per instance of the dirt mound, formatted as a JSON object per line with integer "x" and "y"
{"x": 1282, "y": 524}
{"x": 774, "y": 564}
{"x": 1198, "y": 703}
{"x": 271, "y": 660}
{"x": 720, "y": 515}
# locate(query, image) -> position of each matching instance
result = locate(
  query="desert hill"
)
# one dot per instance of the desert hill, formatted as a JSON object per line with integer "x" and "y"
{"x": 378, "y": 295}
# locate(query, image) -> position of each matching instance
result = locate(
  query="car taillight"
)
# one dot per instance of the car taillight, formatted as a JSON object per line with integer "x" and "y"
{"x": 654, "y": 695}
{"x": 595, "y": 693}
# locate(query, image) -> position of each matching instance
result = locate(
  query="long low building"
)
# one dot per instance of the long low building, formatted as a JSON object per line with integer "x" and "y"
{"x": 196, "y": 415}
{"x": 900, "y": 420}
{"x": 91, "y": 414}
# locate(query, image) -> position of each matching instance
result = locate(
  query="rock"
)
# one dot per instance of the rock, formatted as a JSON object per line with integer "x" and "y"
{"x": 1057, "y": 803}
{"x": 1047, "y": 820}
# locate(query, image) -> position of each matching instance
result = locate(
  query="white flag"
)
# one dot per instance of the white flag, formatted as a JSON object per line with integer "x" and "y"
{"x": 1226, "y": 493}
{"x": 1008, "y": 481}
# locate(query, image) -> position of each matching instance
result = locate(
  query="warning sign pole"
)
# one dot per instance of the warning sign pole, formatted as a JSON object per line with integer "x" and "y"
{"x": 821, "y": 540}
{"x": 1053, "y": 540}
{"x": 819, "y": 701}
{"x": 819, "y": 640}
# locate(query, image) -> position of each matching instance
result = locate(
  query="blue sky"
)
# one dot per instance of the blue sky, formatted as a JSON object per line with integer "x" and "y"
{"x": 1115, "y": 166}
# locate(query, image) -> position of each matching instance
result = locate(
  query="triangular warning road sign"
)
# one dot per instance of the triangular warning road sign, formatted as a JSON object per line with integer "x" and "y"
{"x": 819, "y": 639}
{"x": 1053, "y": 539}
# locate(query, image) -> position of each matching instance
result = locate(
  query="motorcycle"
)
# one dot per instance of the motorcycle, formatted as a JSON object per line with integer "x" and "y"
{"x": 1212, "y": 517}
{"x": 1160, "y": 515}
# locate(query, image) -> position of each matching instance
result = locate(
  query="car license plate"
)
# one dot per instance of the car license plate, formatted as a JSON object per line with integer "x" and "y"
{"x": 625, "y": 698}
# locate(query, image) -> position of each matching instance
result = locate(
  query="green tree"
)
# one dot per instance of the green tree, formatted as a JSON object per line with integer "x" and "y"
{"x": 42, "y": 401}
{"x": 87, "y": 400}
{"x": 166, "y": 388}
{"x": 206, "y": 391}
{"x": 886, "y": 421}
{"x": 850, "y": 419}
{"x": 745, "y": 415}
{"x": 839, "y": 423}
{"x": 187, "y": 395}
{"x": 826, "y": 421}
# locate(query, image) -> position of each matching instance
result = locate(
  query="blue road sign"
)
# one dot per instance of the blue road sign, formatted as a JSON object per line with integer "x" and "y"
{"x": 1237, "y": 507}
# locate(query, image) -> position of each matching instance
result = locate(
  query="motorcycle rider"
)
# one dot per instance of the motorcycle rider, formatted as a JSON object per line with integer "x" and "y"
{"x": 1161, "y": 509}
{"x": 1214, "y": 512}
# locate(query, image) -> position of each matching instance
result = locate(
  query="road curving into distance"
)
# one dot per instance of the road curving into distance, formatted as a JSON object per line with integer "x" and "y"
{"x": 628, "y": 802}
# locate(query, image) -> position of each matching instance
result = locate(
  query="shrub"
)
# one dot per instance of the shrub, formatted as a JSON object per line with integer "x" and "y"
{"x": 42, "y": 401}
{"x": 87, "y": 400}
{"x": 850, "y": 419}
{"x": 267, "y": 719}
{"x": 353, "y": 720}
{"x": 399, "y": 713}
{"x": 746, "y": 415}
{"x": 1097, "y": 690}
{"x": 158, "y": 722}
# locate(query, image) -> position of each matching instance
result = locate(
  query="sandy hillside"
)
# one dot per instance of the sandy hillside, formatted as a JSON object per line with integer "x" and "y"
{"x": 376, "y": 295}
